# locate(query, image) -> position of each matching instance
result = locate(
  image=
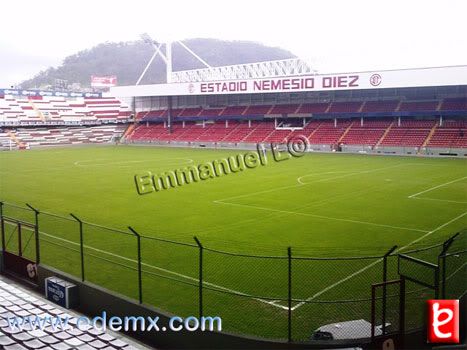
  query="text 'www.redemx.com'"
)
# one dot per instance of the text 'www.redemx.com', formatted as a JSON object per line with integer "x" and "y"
{"x": 116, "y": 323}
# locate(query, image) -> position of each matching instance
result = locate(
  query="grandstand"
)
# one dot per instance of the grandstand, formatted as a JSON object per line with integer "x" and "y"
{"x": 32, "y": 121}
{"x": 211, "y": 125}
{"x": 406, "y": 112}
{"x": 40, "y": 110}
{"x": 409, "y": 119}
{"x": 329, "y": 130}
{"x": 366, "y": 132}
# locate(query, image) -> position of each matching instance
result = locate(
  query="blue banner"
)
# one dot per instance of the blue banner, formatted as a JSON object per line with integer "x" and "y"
{"x": 26, "y": 92}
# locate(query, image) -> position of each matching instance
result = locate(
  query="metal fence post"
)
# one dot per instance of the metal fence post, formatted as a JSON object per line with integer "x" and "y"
{"x": 20, "y": 243}
{"x": 443, "y": 281}
{"x": 2, "y": 227}
{"x": 140, "y": 278}
{"x": 385, "y": 279}
{"x": 385, "y": 263}
{"x": 442, "y": 263}
{"x": 289, "y": 296}
{"x": 81, "y": 244}
{"x": 36, "y": 232}
{"x": 373, "y": 312}
{"x": 200, "y": 297}
{"x": 437, "y": 283}
{"x": 402, "y": 307}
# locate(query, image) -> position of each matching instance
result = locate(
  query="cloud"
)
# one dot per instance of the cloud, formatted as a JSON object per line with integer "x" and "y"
{"x": 337, "y": 35}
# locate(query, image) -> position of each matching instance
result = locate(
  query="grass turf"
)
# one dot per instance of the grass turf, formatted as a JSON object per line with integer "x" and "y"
{"x": 321, "y": 205}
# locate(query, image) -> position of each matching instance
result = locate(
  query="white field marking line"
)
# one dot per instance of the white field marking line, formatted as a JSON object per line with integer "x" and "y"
{"x": 165, "y": 270}
{"x": 222, "y": 201}
{"x": 456, "y": 270}
{"x": 299, "y": 179}
{"x": 124, "y": 162}
{"x": 77, "y": 163}
{"x": 304, "y": 184}
{"x": 434, "y": 188}
{"x": 312, "y": 205}
{"x": 89, "y": 160}
{"x": 31, "y": 171}
{"x": 324, "y": 217}
{"x": 375, "y": 262}
{"x": 356, "y": 173}
{"x": 439, "y": 200}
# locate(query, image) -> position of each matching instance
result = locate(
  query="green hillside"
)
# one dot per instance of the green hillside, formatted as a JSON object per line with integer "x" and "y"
{"x": 127, "y": 60}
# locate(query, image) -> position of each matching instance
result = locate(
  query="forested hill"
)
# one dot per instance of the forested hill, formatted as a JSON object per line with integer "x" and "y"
{"x": 127, "y": 60}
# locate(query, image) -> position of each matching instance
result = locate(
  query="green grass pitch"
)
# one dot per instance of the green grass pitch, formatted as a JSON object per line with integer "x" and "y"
{"x": 321, "y": 205}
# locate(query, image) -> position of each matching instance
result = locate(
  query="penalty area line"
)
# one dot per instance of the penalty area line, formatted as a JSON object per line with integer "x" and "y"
{"x": 438, "y": 200}
{"x": 375, "y": 262}
{"x": 435, "y": 187}
{"x": 301, "y": 183}
{"x": 321, "y": 216}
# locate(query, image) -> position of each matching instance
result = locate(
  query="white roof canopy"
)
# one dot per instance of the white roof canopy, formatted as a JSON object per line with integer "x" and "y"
{"x": 419, "y": 77}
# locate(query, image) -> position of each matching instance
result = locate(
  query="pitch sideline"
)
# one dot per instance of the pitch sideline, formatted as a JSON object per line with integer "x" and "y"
{"x": 270, "y": 302}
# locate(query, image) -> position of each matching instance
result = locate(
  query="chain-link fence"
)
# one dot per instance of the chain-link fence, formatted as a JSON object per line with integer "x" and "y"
{"x": 286, "y": 297}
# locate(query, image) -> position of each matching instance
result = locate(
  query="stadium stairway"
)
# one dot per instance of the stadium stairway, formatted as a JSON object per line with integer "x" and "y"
{"x": 129, "y": 131}
{"x": 314, "y": 130}
{"x": 398, "y": 106}
{"x": 16, "y": 301}
{"x": 15, "y": 139}
{"x": 249, "y": 132}
{"x": 410, "y": 133}
{"x": 385, "y": 134}
{"x": 450, "y": 134}
{"x": 345, "y": 133}
{"x": 37, "y": 110}
{"x": 430, "y": 135}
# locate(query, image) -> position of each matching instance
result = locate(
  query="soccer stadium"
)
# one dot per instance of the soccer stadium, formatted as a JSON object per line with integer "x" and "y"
{"x": 306, "y": 210}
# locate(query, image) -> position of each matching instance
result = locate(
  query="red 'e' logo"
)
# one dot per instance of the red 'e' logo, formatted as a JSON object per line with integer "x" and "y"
{"x": 443, "y": 321}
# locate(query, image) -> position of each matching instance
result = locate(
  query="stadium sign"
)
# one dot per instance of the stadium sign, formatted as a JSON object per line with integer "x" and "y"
{"x": 281, "y": 84}
{"x": 107, "y": 81}
{"x": 61, "y": 292}
{"x": 39, "y": 93}
{"x": 441, "y": 76}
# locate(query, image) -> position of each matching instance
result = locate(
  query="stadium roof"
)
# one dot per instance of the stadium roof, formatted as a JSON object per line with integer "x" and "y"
{"x": 418, "y": 77}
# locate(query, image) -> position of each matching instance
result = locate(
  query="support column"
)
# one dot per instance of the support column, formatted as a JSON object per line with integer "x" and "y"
{"x": 168, "y": 54}
{"x": 169, "y": 113}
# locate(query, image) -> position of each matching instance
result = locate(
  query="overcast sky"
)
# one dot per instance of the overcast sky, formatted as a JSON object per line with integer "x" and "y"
{"x": 335, "y": 35}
